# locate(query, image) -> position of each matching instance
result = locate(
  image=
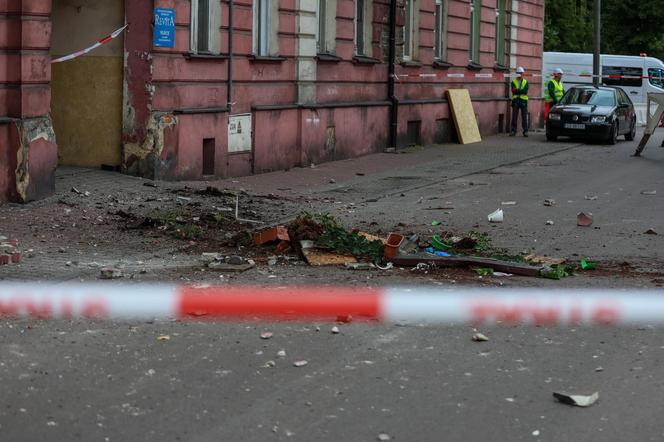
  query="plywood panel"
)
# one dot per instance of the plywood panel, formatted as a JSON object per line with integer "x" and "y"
{"x": 86, "y": 107}
{"x": 464, "y": 116}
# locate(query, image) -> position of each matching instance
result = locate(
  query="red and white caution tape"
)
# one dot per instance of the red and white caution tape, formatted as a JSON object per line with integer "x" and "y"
{"x": 503, "y": 75}
{"x": 101, "y": 42}
{"x": 415, "y": 304}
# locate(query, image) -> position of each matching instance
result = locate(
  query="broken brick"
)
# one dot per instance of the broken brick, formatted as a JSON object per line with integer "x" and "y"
{"x": 270, "y": 235}
{"x": 5, "y": 259}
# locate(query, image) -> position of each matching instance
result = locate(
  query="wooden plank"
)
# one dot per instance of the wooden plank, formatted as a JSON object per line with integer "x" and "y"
{"x": 316, "y": 257}
{"x": 464, "y": 116}
{"x": 467, "y": 261}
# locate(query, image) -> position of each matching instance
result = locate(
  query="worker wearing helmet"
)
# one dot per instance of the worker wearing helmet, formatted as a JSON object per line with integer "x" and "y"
{"x": 519, "y": 102}
{"x": 554, "y": 91}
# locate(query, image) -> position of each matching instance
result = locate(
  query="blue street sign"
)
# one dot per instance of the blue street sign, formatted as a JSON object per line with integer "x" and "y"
{"x": 164, "y": 28}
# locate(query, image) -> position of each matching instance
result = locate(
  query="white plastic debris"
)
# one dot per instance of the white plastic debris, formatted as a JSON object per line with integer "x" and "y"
{"x": 300, "y": 363}
{"x": 577, "y": 399}
{"x": 496, "y": 217}
{"x": 335, "y": 330}
{"x": 479, "y": 337}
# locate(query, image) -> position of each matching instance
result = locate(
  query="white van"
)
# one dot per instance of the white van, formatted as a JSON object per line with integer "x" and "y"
{"x": 578, "y": 69}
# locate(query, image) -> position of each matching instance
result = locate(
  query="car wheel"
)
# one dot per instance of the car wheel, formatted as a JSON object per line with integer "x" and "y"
{"x": 632, "y": 131}
{"x": 550, "y": 137}
{"x": 613, "y": 136}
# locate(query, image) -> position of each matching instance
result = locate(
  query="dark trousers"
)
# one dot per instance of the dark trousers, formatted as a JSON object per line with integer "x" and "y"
{"x": 519, "y": 106}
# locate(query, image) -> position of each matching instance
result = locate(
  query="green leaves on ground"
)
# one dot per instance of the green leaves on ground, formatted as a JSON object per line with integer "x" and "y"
{"x": 558, "y": 271}
{"x": 338, "y": 239}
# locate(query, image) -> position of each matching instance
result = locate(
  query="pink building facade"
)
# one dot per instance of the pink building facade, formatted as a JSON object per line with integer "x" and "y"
{"x": 308, "y": 81}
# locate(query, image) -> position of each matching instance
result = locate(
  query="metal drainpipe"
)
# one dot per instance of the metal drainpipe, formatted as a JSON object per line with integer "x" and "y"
{"x": 229, "y": 88}
{"x": 394, "y": 103}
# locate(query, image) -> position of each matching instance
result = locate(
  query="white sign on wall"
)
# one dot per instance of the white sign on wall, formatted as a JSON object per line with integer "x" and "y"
{"x": 239, "y": 133}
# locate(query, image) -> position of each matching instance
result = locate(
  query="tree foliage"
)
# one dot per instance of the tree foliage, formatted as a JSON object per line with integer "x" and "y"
{"x": 629, "y": 27}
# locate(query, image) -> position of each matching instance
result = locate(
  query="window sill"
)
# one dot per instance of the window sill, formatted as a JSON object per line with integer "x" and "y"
{"x": 411, "y": 64}
{"x": 362, "y": 59}
{"x": 195, "y": 56}
{"x": 442, "y": 64}
{"x": 501, "y": 68}
{"x": 266, "y": 58}
{"x": 475, "y": 66}
{"x": 329, "y": 58}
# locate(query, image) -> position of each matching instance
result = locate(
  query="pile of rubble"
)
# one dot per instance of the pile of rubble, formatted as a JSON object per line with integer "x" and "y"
{"x": 9, "y": 251}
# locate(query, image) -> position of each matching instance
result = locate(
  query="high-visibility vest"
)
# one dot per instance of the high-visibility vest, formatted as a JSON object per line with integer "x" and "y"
{"x": 558, "y": 88}
{"x": 515, "y": 83}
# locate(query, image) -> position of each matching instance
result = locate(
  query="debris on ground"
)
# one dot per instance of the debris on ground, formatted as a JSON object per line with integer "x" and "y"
{"x": 9, "y": 251}
{"x": 110, "y": 273}
{"x": 479, "y": 337}
{"x": 392, "y": 245}
{"x": 435, "y": 222}
{"x": 496, "y": 217}
{"x": 335, "y": 330}
{"x": 649, "y": 192}
{"x": 549, "y": 202}
{"x": 278, "y": 233}
{"x": 432, "y": 251}
{"x": 557, "y": 271}
{"x": 231, "y": 264}
{"x": 281, "y": 354}
{"x": 384, "y": 437}
{"x": 508, "y": 203}
{"x": 586, "y": 264}
{"x": 549, "y": 222}
{"x": 468, "y": 261}
{"x": 163, "y": 338}
{"x": 300, "y": 363}
{"x": 591, "y": 197}
{"x": 317, "y": 257}
{"x": 484, "y": 271}
{"x": 650, "y": 232}
{"x": 577, "y": 400}
{"x": 545, "y": 260}
{"x": 360, "y": 266}
{"x": 584, "y": 219}
{"x": 266, "y": 335}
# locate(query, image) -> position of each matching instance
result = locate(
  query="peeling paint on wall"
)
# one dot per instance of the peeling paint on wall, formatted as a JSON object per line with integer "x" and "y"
{"x": 30, "y": 130}
{"x": 142, "y": 158}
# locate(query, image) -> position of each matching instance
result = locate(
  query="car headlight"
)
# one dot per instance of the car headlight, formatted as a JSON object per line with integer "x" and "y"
{"x": 554, "y": 116}
{"x": 598, "y": 119}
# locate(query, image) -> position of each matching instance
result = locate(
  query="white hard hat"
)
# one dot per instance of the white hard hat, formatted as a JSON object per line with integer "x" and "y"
{"x": 558, "y": 71}
{"x": 520, "y": 70}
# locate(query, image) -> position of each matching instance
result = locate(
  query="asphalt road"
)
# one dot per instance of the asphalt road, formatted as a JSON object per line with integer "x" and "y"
{"x": 62, "y": 381}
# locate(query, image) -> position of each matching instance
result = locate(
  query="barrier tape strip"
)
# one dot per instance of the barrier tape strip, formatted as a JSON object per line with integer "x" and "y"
{"x": 487, "y": 306}
{"x": 101, "y": 42}
{"x": 502, "y": 75}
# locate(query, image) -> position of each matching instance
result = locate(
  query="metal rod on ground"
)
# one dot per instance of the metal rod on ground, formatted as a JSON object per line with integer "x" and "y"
{"x": 237, "y": 212}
